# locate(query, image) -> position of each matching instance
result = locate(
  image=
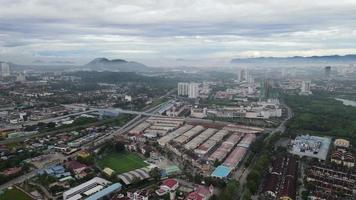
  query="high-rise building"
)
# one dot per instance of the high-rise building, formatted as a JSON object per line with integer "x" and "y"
{"x": 5, "y": 69}
{"x": 188, "y": 89}
{"x": 20, "y": 77}
{"x": 305, "y": 88}
{"x": 183, "y": 89}
{"x": 243, "y": 75}
{"x": 264, "y": 90}
{"x": 193, "y": 90}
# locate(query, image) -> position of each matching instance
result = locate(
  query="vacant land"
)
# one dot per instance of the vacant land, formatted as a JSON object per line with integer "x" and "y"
{"x": 13, "y": 194}
{"x": 121, "y": 162}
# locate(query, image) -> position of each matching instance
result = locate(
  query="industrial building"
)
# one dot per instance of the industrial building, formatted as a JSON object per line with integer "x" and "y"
{"x": 96, "y": 188}
{"x": 243, "y": 129}
{"x": 139, "y": 128}
{"x": 237, "y": 155}
{"x": 211, "y": 142}
{"x": 131, "y": 176}
{"x": 195, "y": 142}
{"x": 167, "y": 138}
{"x": 225, "y": 147}
{"x": 156, "y": 126}
{"x": 311, "y": 146}
{"x": 189, "y": 134}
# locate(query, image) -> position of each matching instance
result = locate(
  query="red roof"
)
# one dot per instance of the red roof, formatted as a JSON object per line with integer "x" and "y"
{"x": 194, "y": 196}
{"x": 74, "y": 165}
{"x": 203, "y": 191}
{"x": 170, "y": 183}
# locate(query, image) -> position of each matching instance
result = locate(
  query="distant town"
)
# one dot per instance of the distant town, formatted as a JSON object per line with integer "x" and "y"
{"x": 193, "y": 135}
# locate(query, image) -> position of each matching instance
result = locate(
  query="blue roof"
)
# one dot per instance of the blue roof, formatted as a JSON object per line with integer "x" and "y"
{"x": 104, "y": 192}
{"x": 221, "y": 171}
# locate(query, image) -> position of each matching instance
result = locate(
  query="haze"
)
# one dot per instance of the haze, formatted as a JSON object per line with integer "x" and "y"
{"x": 173, "y": 32}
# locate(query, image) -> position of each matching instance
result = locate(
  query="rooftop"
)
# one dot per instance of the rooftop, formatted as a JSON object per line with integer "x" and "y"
{"x": 221, "y": 172}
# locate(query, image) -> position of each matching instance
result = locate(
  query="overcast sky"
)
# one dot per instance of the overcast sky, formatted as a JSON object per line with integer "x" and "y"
{"x": 173, "y": 32}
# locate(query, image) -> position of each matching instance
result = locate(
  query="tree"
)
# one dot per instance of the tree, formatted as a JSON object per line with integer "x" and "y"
{"x": 155, "y": 173}
{"x": 231, "y": 190}
{"x": 247, "y": 195}
{"x": 120, "y": 147}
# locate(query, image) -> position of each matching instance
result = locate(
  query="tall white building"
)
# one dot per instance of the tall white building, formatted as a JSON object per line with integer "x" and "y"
{"x": 188, "y": 89}
{"x": 193, "y": 90}
{"x": 183, "y": 89}
{"x": 243, "y": 75}
{"x": 5, "y": 69}
{"x": 305, "y": 89}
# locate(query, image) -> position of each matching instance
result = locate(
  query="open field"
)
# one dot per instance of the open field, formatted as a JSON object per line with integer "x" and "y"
{"x": 121, "y": 162}
{"x": 14, "y": 194}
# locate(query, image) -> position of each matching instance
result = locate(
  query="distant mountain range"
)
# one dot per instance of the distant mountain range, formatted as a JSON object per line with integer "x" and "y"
{"x": 98, "y": 64}
{"x": 351, "y": 58}
{"x": 101, "y": 64}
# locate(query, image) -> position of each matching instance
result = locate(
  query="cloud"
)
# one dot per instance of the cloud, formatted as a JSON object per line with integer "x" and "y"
{"x": 163, "y": 31}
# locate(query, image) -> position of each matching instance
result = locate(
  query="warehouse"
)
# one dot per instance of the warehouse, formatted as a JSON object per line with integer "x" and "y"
{"x": 165, "y": 120}
{"x": 211, "y": 142}
{"x": 165, "y": 139}
{"x": 225, "y": 147}
{"x": 195, "y": 142}
{"x": 189, "y": 134}
{"x": 132, "y": 176}
{"x": 139, "y": 128}
{"x": 247, "y": 141}
{"x": 96, "y": 187}
{"x": 235, "y": 157}
{"x": 243, "y": 129}
{"x": 163, "y": 127}
{"x": 219, "y": 135}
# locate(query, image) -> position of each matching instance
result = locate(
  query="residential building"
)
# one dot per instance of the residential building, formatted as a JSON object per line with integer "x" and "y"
{"x": 193, "y": 90}
{"x": 305, "y": 88}
{"x": 5, "y": 69}
{"x": 183, "y": 89}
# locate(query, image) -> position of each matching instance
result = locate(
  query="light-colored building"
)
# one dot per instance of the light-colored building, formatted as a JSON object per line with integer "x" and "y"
{"x": 305, "y": 88}
{"x": 96, "y": 188}
{"x": 188, "y": 89}
{"x": 5, "y": 69}
{"x": 183, "y": 89}
{"x": 193, "y": 90}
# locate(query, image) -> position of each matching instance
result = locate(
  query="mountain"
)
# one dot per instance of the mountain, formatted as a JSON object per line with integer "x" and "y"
{"x": 351, "y": 58}
{"x": 116, "y": 65}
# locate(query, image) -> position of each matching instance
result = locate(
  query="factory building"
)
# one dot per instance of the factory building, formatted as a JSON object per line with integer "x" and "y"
{"x": 195, "y": 142}
{"x": 167, "y": 138}
{"x": 189, "y": 134}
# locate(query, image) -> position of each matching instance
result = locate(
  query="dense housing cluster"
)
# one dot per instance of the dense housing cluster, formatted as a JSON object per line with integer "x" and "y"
{"x": 281, "y": 181}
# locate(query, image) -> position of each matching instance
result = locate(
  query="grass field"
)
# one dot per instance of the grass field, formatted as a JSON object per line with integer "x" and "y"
{"x": 122, "y": 162}
{"x": 14, "y": 194}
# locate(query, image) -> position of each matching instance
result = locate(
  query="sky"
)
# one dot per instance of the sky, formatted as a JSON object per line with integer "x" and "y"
{"x": 173, "y": 32}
